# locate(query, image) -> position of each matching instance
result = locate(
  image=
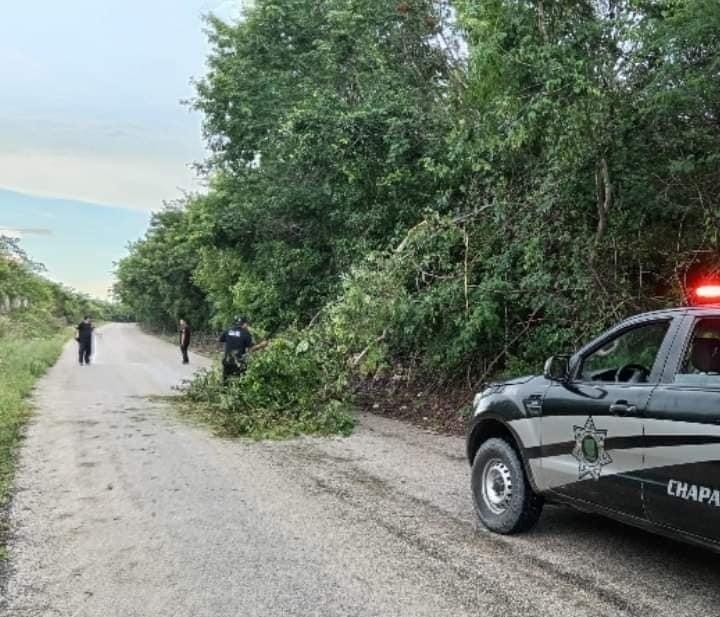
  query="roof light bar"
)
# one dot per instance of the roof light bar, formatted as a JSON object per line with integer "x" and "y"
{"x": 707, "y": 294}
{"x": 708, "y": 291}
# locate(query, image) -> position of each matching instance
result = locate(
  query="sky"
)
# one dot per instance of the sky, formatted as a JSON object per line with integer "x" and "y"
{"x": 93, "y": 135}
{"x": 77, "y": 242}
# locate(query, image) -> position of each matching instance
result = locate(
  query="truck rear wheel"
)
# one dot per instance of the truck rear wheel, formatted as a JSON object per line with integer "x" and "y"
{"x": 503, "y": 497}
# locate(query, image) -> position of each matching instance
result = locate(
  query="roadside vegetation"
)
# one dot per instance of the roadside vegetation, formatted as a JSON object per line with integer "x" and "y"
{"x": 291, "y": 388}
{"x": 22, "y": 362}
{"x": 418, "y": 196}
{"x": 32, "y": 335}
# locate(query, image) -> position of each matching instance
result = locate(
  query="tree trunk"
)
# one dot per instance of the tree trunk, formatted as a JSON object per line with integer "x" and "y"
{"x": 541, "y": 20}
{"x": 604, "y": 198}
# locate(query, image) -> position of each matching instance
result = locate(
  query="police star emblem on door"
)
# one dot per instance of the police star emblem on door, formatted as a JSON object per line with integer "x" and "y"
{"x": 589, "y": 450}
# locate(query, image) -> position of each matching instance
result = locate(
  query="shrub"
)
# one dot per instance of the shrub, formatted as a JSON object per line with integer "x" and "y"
{"x": 292, "y": 387}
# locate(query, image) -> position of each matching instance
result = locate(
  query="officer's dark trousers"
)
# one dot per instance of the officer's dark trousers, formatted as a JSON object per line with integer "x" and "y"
{"x": 85, "y": 352}
{"x": 185, "y": 356}
{"x": 232, "y": 367}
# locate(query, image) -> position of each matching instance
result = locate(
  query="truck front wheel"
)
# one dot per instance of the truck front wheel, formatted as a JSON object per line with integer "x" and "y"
{"x": 503, "y": 497}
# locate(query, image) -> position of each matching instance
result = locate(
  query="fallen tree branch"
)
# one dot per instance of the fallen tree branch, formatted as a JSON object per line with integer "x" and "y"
{"x": 260, "y": 346}
{"x": 359, "y": 358}
{"x": 467, "y": 281}
{"x": 461, "y": 218}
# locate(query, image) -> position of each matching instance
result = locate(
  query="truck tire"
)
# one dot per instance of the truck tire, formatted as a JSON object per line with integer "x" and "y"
{"x": 504, "y": 500}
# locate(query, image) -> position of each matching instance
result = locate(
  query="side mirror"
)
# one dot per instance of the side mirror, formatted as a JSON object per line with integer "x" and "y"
{"x": 557, "y": 368}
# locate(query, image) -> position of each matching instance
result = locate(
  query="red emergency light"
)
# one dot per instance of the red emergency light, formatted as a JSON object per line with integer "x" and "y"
{"x": 706, "y": 294}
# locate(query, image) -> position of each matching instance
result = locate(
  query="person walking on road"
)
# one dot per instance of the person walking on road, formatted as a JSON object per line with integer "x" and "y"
{"x": 185, "y": 334}
{"x": 84, "y": 337}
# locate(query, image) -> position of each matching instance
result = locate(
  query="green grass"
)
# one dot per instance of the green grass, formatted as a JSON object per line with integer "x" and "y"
{"x": 22, "y": 363}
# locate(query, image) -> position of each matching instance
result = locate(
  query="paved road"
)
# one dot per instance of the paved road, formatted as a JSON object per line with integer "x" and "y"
{"x": 124, "y": 510}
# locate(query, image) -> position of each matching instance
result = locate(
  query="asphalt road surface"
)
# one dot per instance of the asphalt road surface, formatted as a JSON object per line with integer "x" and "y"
{"x": 122, "y": 509}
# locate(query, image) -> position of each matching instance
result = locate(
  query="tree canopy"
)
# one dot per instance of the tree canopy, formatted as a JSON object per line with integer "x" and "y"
{"x": 461, "y": 187}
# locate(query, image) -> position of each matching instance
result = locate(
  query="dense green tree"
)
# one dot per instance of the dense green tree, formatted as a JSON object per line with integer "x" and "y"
{"x": 156, "y": 281}
{"x": 579, "y": 133}
{"x": 464, "y": 214}
{"x": 322, "y": 118}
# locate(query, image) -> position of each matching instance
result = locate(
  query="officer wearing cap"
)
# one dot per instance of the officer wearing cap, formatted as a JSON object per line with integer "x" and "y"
{"x": 238, "y": 341}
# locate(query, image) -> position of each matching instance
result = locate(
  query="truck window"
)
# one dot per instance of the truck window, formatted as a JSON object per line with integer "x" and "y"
{"x": 701, "y": 364}
{"x": 634, "y": 351}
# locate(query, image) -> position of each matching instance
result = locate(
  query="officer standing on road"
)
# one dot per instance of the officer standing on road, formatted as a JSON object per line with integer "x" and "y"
{"x": 238, "y": 342}
{"x": 84, "y": 337}
{"x": 185, "y": 334}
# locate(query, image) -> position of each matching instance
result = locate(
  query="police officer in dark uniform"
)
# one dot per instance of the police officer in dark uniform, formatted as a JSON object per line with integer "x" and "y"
{"x": 238, "y": 341}
{"x": 83, "y": 335}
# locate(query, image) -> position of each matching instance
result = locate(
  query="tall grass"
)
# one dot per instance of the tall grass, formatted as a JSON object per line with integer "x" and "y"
{"x": 22, "y": 362}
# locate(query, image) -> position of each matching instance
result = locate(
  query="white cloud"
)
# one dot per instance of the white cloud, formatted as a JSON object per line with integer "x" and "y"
{"x": 10, "y": 232}
{"x": 100, "y": 289}
{"x": 136, "y": 182}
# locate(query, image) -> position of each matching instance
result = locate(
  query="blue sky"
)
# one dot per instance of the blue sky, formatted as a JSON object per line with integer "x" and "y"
{"x": 77, "y": 242}
{"x": 90, "y": 113}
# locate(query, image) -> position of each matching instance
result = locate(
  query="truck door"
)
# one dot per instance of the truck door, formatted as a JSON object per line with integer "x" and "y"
{"x": 682, "y": 432}
{"x": 592, "y": 440}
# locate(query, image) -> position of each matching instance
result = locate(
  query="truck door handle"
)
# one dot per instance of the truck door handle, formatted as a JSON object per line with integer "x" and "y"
{"x": 622, "y": 408}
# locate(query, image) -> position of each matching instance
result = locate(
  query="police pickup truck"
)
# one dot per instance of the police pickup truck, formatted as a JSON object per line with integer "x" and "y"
{"x": 629, "y": 427}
